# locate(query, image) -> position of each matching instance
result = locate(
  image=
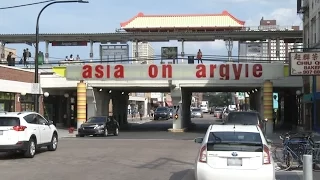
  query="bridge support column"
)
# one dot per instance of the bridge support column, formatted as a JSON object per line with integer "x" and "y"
{"x": 182, "y": 51}
{"x": 178, "y": 125}
{"x": 269, "y": 50}
{"x": 119, "y": 107}
{"x": 46, "y": 55}
{"x": 136, "y": 54}
{"x": 278, "y": 48}
{"x": 81, "y": 103}
{"x": 229, "y": 46}
{"x": 268, "y": 105}
{"x": 91, "y": 51}
{"x": 2, "y": 51}
{"x": 102, "y": 99}
{"x": 186, "y": 103}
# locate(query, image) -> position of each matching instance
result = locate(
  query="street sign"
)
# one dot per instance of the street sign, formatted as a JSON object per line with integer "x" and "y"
{"x": 176, "y": 116}
{"x": 304, "y": 63}
{"x": 169, "y": 52}
{"x": 69, "y": 43}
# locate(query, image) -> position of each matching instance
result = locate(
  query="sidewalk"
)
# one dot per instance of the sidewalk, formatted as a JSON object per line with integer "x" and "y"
{"x": 275, "y": 137}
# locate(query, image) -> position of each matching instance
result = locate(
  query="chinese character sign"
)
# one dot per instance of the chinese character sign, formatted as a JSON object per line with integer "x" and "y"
{"x": 304, "y": 63}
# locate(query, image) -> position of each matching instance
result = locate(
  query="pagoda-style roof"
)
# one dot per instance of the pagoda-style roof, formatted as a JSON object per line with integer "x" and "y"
{"x": 194, "y": 22}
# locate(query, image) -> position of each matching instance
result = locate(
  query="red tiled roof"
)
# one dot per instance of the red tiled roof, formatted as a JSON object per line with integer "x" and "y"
{"x": 225, "y": 19}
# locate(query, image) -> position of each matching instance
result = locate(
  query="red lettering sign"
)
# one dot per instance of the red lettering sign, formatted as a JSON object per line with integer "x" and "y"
{"x": 165, "y": 71}
{"x": 225, "y": 71}
{"x": 102, "y": 71}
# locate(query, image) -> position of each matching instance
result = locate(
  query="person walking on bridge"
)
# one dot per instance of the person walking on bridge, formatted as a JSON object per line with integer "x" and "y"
{"x": 199, "y": 57}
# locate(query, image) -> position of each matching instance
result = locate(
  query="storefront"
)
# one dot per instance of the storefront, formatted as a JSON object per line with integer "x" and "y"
{"x": 7, "y": 101}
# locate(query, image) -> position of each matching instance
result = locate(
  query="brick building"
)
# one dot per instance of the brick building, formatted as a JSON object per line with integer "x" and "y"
{"x": 17, "y": 89}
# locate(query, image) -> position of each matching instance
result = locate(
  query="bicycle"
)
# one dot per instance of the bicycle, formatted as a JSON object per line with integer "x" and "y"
{"x": 295, "y": 145}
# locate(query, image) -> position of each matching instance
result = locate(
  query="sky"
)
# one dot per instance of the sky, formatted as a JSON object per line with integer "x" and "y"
{"x": 104, "y": 16}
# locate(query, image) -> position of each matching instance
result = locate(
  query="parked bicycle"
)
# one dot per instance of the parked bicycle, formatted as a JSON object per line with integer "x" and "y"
{"x": 294, "y": 146}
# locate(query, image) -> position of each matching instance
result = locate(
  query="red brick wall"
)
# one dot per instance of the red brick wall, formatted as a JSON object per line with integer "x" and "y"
{"x": 14, "y": 74}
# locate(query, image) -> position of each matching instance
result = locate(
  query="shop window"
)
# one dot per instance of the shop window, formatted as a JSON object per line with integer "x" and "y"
{"x": 7, "y": 101}
{"x": 27, "y": 102}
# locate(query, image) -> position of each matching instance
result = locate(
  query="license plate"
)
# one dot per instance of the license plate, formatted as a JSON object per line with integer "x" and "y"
{"x": 1, "y": 132}
{"x": 234, "y": 162}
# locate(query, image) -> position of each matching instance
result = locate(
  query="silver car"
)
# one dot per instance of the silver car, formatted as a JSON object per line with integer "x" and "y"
{"x": 196, "y": 113}
{"x": 217, "y": 112}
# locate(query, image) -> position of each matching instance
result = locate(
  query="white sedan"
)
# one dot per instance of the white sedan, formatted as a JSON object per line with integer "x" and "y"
{"x": 232, "y": 152}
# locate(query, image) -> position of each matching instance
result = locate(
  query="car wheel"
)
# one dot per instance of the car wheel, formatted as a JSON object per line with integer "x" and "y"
{"x": 116, "y": 132}
{"x": 105, "y": 132}
{"x": 31, "y": 150}
{"x": 54, "y": 143}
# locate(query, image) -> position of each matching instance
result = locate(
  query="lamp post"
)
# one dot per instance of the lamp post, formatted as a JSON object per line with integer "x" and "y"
{"x": 36, "y": 62}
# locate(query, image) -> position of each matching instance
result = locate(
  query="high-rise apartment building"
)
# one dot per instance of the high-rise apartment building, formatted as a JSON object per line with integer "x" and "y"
{"x": 267, "y": 50}
{"x": 145, "y": 53}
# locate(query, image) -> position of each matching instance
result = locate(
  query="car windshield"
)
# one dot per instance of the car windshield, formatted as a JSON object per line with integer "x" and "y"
{"x": 243, "y": 118}
{"x": 218, "y": 110}
{"x": 235, "y": 141}
{"x": 96, "y": 120}
{"x": 196, "y": 110}
{"x": 161, "y": 109}
{"x": 9, "y": 121}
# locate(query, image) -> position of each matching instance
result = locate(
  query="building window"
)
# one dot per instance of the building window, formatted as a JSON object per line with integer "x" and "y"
{"x": 27, "y": 102}
{"x": 7, "y": 101}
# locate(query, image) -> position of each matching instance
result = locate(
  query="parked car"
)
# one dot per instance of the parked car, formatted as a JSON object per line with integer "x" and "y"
{"x": 162, "y": 113}
{"x": 99, "y": 126}
{"x": 217, "y": 112}
{"x": 25, "y": 132}
{"x": 234, "y": 152}
{"x": 196, "y": 113}
{"x": 246, "y": 118}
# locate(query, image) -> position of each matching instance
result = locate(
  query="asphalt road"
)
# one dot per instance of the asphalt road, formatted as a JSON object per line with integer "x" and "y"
{"x": 134, "y": 155}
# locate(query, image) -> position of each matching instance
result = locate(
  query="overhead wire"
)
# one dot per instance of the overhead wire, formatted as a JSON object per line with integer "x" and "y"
{"x": 24, "y": 5}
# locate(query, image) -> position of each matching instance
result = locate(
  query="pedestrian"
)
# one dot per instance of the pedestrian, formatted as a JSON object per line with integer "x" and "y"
{"x": 25, "y": 57}
{"x": 71, "y": 58}
{"x": 9, "y": 59}
{"x": 141, "y": 113}
{"x": 151, "y": 112}
{"x": 78, "y": 57}
{"x": 199, "y": 56}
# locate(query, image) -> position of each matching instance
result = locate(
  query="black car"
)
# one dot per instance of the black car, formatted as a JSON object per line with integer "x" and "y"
{"x": 99, "y": 126}
{"x": 162, "y": 113}
{"x": 245, "y": 118}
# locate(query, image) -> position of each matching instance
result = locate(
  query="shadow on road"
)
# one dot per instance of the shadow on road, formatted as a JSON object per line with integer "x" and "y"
{"x": 14, "y": 155}
{"x": 187, "y": 174}
{"x": 161, "y": 162}
{"x": 198, "y": 125}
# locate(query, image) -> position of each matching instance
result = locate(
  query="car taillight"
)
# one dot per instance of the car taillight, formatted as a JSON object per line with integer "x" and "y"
{"x": 19, "y": 128}
{"x": 266, "y": 155}
{"x": 203, "y": 154}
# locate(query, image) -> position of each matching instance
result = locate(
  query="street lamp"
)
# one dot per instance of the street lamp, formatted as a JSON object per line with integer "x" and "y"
{"x": 36, "y": 62}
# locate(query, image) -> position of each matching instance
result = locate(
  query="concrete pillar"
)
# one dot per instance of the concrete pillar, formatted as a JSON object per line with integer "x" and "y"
{"x": 46, "y": 55}
{"x": 176, "y": 96}
{"x": 268, "y": 105}
{"x": 145, "y": 106}
{"x": 91, "y": 51}
{"x": 136, "y": 54}
{"x": 91, "y": 107}
{"x": 102, "y": 99}
{"x": 2, "y": 51}
{"x": 119, "y": 106}
{"x": 186, "y": 103}
{"x": 81, "y": 103}
{"x": 182, "y": 51}
{"x": 269, "y": 50}
{"x": 278, "y": 48}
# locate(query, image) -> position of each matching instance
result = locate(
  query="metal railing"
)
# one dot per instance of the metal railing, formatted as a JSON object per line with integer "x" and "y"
{"x": 205, "y": 59}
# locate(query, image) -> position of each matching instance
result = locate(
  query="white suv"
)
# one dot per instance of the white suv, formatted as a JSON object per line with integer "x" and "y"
{"x": 26, "y": 132}
{"x": 234, "y": 152}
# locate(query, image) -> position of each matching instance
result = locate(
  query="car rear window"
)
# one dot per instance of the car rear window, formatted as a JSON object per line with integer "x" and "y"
{"x": 9, "y": 121}
{"x": 196, "y": 110}
{"x": 218, "y": 109}
{"x": 161, "y": 109}
{"x": 243, "y": 118}
{"x": 235, "y": 141}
